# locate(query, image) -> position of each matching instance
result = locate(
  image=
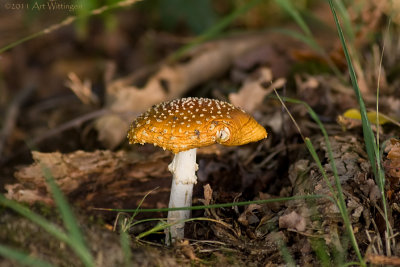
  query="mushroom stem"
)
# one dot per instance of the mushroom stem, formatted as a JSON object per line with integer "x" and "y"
{"x": 183, "y": 169}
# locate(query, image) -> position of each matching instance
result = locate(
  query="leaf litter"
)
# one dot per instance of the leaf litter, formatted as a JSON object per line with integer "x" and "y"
{"x": 120, "y": 177}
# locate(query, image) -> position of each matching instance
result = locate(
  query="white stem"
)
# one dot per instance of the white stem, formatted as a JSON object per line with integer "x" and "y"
{"x": 183, "y": 169}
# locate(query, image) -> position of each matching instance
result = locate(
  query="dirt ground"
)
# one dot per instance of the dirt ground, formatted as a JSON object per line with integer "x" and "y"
{"x": 67, "y": 99}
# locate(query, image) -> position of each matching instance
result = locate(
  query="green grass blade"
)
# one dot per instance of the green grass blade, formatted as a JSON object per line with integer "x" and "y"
{"x": 48, "y": 227}
{"x": 223, "y": 205}
{"x": 288, "y": 6}
{"x": 314, "y": 155}
{"x": 286, "y": 254}
{"x": 367, "y": 131}
{"x": 381, "y": 175}
{"x": 147, "y": 220}
{"x": 35, "y": 218}
{"x": 141, "y": 203}
{"x": 69, "y": 20}
{"x": 69, "y": 220}
{"x": 21, "y": 257}
{"x": 321, "y": 251}
{"x": 369, "y": 138}
{"x": 340, "y": 197}
{"x": 348, "y": 27}
{"x": 163, "y": 225}
{"x": 125, "y": 241}
{"x": 309, "y": 41}
{"x": 340, "y": 203}
{"x": 352, "y": 263}
{"x": 216, "y": 28}
{"x": 303, "y": 38}
{"x": 63, "y": 207}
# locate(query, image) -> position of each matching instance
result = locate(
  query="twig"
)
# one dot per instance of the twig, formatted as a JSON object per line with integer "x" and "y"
{"x": 383, "y": 260}
{"x": 12, "y": 115}
{"x": 68, "y": 125}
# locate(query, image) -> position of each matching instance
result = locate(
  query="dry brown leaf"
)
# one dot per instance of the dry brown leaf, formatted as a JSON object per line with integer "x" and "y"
{"x": 248, "y": 217}
{"x": 112, "y": 129}
{"x": 374, "y": 192}
{"x": 392, "y": 104}
{"x": 265, "y": 55}
{"x": 82, "y": 89}
{"x": 207, "y": 194}
{"x": 392, "y": 8}
{"x": 187, "y": 250}
{"x": 253, "y": 91}
{"x": 324, "y": 93}
{"x": 171, "y": 81}
{"x": 348, "y": 123}
{"x": 293, "y": 221}
{"x": 393, "y": 164}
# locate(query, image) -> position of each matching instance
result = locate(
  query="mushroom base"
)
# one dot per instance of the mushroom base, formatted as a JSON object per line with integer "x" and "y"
{"x": 183, "y": 168}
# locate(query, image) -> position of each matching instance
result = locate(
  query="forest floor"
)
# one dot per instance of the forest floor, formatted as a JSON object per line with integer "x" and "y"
{"x": 67, "y": 102}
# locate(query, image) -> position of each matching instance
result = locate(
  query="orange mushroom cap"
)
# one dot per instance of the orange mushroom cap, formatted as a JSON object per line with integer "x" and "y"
{"x": 187, "y": 123}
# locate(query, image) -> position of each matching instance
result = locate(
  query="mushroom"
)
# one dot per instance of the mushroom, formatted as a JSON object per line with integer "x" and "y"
{"x": 182, "y": 126}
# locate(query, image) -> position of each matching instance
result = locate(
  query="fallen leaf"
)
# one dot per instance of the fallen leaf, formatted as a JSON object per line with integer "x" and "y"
{"x": 82, "y": 89}
{"x": 187, "y": 250}
{"x": 248, "y": 217}
{"x": 265, "y": 55}
{"x": 207, "y": 194}
{"x": 293, "y": 221}
{"x": 383, "y": 119}
{"x": 392, "y": 164}
{"x": 252, "y": 93}
{"x": 112, "y": 130}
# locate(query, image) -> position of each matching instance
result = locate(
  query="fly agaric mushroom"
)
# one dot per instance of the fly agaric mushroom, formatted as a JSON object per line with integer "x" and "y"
{"x": 183, "y": 125}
